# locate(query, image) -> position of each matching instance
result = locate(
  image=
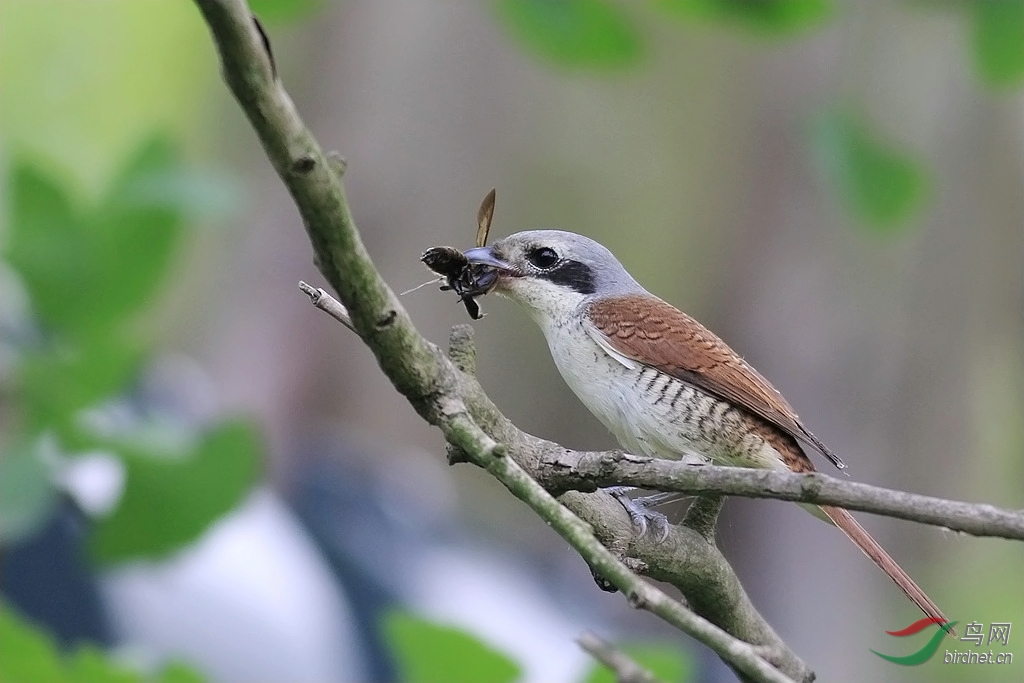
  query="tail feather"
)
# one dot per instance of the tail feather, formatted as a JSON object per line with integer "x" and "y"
{"x": 869, "y": 546}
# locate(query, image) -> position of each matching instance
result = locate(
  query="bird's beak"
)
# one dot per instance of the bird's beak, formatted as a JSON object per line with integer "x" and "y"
{"x": 484, "y": 256}
{"x": 486, "y": 270}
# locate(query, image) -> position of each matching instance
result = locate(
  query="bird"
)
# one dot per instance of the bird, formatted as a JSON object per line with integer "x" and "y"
{"x": 661, "y": 382}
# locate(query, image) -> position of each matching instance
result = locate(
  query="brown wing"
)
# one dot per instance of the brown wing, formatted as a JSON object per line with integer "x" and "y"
{"x": 657, "y": 334}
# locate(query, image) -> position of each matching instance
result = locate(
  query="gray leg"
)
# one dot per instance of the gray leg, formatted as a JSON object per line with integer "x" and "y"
{"x": 640, "y": 512}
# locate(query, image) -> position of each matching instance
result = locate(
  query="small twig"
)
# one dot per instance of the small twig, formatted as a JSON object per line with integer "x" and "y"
{"x": 625, "y": 668}
{"x": 327, "y": 303}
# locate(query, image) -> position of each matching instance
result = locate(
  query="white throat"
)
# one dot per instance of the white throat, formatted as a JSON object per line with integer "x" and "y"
{"x": 549, "y": 305}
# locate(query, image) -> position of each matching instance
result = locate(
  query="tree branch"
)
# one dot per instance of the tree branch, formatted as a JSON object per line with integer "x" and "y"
{"x": 583, "y": 470}
{"x": 625, "y": 668}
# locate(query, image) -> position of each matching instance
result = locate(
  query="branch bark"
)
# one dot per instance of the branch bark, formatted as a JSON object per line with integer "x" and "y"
{"x": 583, "y": 470}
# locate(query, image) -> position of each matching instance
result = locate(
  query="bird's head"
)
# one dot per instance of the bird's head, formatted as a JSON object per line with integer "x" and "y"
{"x": 552, "y": 273}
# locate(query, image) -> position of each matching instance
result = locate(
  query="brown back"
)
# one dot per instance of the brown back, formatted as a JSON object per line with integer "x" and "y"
{"x": 657, "y": 334}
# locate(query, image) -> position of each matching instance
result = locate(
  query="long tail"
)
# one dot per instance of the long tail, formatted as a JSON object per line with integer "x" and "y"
{"x": 859, "y": 535}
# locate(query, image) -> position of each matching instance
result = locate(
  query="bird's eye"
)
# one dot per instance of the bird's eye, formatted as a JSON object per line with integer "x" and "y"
{"x": 542, "y": 257}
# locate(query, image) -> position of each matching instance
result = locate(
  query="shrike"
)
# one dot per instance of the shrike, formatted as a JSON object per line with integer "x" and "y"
{"x": 663, "y": 384}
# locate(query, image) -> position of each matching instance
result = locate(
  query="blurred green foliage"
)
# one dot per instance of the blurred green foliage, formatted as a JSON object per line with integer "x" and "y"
{"x": 577, "y": 33}
{"x": 767, "y": 16}
{"x": 26, "y": 494}
{"x": 999, "y": 41}
{"x": 28, "y": 654}
{"x": 283, "y": 11}
{"x": 88, "y": 270}
{"x": 84, "y": 82}
{"x": 427, "y": 652}
{"x": 879, "y": 184}
{"x": 430, "y": 653}
{"x": 171, "y": 498}
{"x": 92, "y": 270}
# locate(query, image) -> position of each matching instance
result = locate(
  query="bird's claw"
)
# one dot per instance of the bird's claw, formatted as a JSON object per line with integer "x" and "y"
{"x": 640, "y": 514}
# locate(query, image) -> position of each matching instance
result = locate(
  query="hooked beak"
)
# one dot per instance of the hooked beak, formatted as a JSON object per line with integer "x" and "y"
{"x": 484, "y": 256}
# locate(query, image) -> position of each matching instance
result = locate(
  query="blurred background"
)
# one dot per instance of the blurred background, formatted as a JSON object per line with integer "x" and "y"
{"x": 204, "y": 478}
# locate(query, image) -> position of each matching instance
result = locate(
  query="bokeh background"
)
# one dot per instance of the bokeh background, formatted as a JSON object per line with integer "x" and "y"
{"x": 203, "y": 478}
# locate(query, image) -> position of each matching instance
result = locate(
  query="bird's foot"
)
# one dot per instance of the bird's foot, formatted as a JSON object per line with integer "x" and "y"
{"x": 639, "y": 511}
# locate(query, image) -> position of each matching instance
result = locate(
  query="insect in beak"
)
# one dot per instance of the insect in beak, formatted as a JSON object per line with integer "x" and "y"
{"x": 473, "y": 273}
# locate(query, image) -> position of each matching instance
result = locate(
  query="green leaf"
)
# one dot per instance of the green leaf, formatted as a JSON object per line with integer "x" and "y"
{"x": 137, "y": 237}
{"x": 177, "y": 672}
{"x": 82, "y": 82}
{"x": 53, "y": 385}
{"x": 769, "y": 16}
{"x": 667, "y": 663}
{"x": 430, "y": 653}
{"x": 91, "y": 665}
{"x": 87, "y": 271}
{"x": 999, "y": 41}
{"x": 879, "y": 184}
{"x": 170, "y": 500}
{"x": 27, "y": 496}
{"x": 593, "y": 34}
{"x": 26, "y": 653}
{"x": 283, "y": 11}
{"x": 47, "y": 243}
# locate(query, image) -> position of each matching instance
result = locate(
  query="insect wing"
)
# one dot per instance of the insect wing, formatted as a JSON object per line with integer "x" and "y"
{"x": 483, "y": 218}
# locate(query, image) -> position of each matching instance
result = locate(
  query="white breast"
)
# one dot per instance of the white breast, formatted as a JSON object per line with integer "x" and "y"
{"x": 643, "y": 407}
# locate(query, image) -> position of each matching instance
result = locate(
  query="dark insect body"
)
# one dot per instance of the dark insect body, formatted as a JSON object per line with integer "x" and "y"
{"x": 467, "y": 280}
